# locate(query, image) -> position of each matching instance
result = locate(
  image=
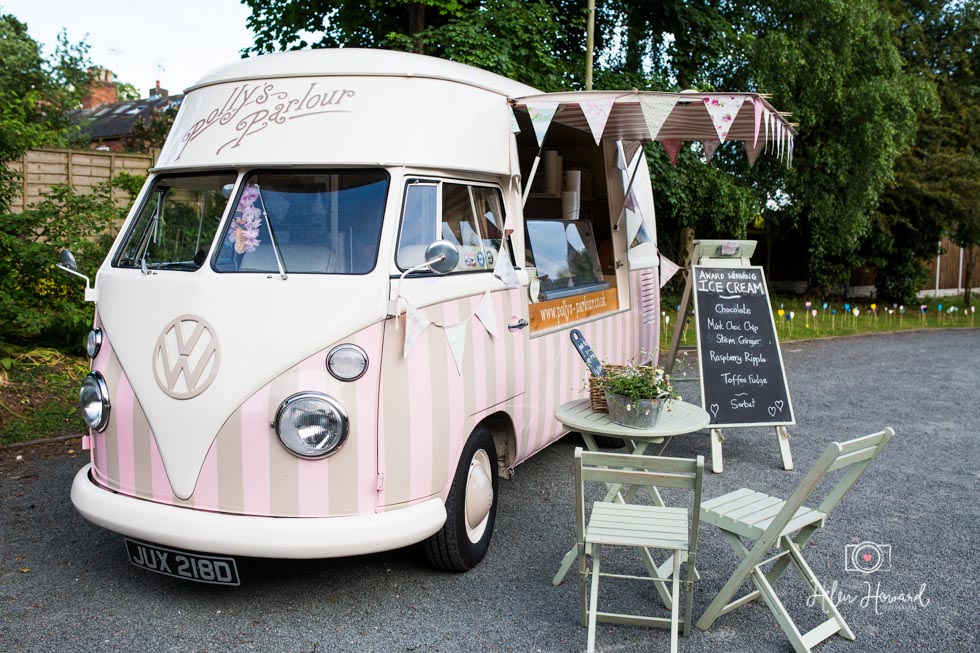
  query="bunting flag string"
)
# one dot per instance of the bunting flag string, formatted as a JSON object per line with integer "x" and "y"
{"x": 503, "y": 269}
{"x": 768, "y": 116}
{"x": 723, "y": 109}
{"x": 631, "y": 203}
{"x": 656, "y": 109}
{"x": 710, "y": 146}
{"x": 673, "y": 147}
{"x": 758, "y": 108}
{"x": 541, "y": 114}
{"x": 667, "y": 270}
{"x": 596, "y": 114}
{"x": 486, "y": 315}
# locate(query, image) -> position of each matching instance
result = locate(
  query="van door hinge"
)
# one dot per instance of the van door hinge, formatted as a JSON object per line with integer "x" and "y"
{"x": 381, "y": 482}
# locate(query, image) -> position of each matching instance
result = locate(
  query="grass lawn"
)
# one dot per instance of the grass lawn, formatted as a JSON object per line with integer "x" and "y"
{"x": 39, "y": 393}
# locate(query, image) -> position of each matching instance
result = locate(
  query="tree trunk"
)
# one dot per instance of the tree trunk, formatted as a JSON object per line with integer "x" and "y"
{"x": 416, "y": 23}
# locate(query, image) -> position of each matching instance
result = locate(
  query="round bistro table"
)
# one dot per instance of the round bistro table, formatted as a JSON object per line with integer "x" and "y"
{"x": 679, "y": 418}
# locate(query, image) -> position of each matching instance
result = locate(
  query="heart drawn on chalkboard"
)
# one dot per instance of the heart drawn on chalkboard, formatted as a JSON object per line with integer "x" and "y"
{"x": 714, "y": 409}
{"x": 772, "y": 411}
{"x": 779, "y": 405}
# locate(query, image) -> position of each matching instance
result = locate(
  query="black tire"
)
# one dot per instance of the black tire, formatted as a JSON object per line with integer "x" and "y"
{"x": 452, "y": 548}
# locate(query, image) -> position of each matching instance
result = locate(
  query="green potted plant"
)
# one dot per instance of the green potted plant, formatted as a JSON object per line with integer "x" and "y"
{"x": 637, "y": 395}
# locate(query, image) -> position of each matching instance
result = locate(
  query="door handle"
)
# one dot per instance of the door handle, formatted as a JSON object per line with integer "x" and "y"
{"x": 520, "y": 324}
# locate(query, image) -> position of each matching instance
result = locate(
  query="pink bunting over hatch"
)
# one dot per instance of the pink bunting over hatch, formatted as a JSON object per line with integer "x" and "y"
{"x": 723, "y": 109}
{"x": 541, "y": 114}
{"x": 596, "y": 114}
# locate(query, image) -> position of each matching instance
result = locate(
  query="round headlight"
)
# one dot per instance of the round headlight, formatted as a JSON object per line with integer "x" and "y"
{"x": 93, "y": 399}
{"x": 93, "y": 343}
{"x": 347, "y": 362}
{"x": 311, "y": 425}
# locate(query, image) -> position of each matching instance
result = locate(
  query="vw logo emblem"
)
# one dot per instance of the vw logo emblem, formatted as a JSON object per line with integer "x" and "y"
{"x": 186, "y": 357}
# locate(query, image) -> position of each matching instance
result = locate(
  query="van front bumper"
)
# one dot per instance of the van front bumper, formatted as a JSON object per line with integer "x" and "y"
{"x": 263, "y": 537}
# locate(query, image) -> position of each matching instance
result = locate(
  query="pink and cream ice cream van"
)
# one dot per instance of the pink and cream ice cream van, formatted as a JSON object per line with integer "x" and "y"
{"x": 339, "y": 309}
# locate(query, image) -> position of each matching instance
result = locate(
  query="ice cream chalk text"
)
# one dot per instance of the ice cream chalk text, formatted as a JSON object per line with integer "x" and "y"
{"x": 733, "y": 283}
{"x": 255, "y": 107}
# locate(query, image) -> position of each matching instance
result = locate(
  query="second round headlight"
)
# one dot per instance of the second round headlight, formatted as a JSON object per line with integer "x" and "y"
{"x": 93, "y": 399}
{"x": 311, "y": 424}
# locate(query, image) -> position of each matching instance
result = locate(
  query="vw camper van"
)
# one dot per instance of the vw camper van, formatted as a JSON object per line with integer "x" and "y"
{"x": 339, "y": 310}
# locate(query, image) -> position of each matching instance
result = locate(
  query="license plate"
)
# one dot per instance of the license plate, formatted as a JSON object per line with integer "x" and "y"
{"x": 216, "y": 570}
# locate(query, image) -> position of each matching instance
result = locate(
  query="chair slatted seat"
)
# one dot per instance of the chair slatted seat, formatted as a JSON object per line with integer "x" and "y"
{"x": 768, "y": 522}
{"x": 614, "y": 523}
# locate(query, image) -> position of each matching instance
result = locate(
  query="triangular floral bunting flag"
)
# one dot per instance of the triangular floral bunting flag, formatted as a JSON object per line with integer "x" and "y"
{"x": 630, "y": 148}
{"x": 656, "y": 109}
{"x": 631, "y": 201}
{"x": 710, "y": 146}
{"x": 752, "y": 152}
{"x": 667, "y": 270}
{"x": 723, "y": 109}
{"x": 456, "y": 338}
{"x": 514, "y": 127}
{"x": 673, "y": 147}
{"x": 541, "y": 114}
{"x": 415, "y": 326}
{"x": 789, "y": 162}
{"x": 487, "y": 316}
{"x": 597, "y": 113}
{"x": 503, "y": 269}
{"x": 757, "y": 106}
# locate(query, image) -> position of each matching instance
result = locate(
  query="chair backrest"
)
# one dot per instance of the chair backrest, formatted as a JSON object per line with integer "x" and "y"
{"x": 627, "y": 469}
{"x": 854, "y": 456}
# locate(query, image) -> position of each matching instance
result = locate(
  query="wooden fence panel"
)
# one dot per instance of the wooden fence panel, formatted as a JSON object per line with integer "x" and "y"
{"x": 82, "y": 169}
{"x": 950, "y": 274}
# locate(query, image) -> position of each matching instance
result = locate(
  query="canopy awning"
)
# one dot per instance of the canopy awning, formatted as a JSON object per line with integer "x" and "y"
{"x": 667, "y": 117}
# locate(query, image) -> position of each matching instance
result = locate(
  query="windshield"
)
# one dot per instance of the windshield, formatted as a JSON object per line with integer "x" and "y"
{"x": 176, "y": 225}
{"x": 326, "y": 222}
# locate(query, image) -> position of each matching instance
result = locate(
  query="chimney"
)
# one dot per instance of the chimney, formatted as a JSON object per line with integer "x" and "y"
{"x": 102, "y": 90}
{"x": 159, "y": 92}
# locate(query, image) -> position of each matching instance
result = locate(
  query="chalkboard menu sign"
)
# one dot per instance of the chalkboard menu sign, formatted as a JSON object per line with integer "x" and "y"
{"x": 742, "y": 377}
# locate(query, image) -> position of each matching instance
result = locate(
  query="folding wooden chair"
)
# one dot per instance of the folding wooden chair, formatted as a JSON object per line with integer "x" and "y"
{"x": 769, "y": 522}
{"x": 615, "y": 523}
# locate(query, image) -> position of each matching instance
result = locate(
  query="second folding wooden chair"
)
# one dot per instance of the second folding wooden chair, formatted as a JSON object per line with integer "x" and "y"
{"x": 770, "y": 522}
{"x": 616, "y": 523}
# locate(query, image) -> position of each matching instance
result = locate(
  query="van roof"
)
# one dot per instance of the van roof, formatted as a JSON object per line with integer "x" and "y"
{"x": 361, "y": 62}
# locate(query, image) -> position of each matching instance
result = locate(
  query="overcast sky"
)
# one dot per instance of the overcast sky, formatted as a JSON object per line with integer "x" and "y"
{"x": 174, "y": 41}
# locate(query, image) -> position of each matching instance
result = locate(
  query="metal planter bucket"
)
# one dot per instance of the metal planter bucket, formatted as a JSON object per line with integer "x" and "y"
{"x": 640, "y": 414}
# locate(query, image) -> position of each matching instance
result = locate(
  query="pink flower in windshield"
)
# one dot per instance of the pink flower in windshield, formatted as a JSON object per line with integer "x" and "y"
{"x": 249, "y": 195}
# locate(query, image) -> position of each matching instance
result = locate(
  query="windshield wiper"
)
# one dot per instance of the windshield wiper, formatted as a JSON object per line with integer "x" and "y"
{"x": 144, "y": 244}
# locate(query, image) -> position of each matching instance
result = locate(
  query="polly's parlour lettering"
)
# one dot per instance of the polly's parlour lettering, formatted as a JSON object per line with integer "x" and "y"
{"x": 255, "y": 107}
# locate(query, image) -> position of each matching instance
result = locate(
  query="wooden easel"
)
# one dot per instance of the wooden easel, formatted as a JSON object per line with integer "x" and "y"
{"x": 715, "y": 253}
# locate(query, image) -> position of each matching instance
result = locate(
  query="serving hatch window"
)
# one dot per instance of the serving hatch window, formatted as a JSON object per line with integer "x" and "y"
{"x": 469, "y": 216}
{"x": 324, "y": 221}
{"x": 565, "y": 256}
{"x": 175, "y": 226}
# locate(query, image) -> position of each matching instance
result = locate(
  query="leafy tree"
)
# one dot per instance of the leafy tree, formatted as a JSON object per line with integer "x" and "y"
{"x": 938, "y": 180}
{"x": 146, "y": 135}
{"x": 531, "y": 41}
{"x": 41, "y": 304}
{"x": 35, "y": 95}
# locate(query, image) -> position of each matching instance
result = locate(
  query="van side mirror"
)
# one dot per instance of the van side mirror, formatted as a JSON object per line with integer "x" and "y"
{"x": 67, "y": 260}
{"x": 441, "y": 256}
{"x": 67, "y": 263}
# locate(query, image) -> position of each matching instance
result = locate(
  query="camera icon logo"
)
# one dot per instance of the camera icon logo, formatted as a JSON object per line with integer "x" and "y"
{"x": 867, "y": 557}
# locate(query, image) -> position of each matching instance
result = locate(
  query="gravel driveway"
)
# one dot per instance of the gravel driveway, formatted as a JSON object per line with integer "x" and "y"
{"x": 66, "y": 585}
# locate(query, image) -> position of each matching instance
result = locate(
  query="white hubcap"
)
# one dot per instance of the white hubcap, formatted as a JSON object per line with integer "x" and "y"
{"x": 479, "y": 496}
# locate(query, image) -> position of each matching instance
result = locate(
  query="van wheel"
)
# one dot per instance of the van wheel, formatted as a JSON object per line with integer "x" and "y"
{"x": 471, "y": 508}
